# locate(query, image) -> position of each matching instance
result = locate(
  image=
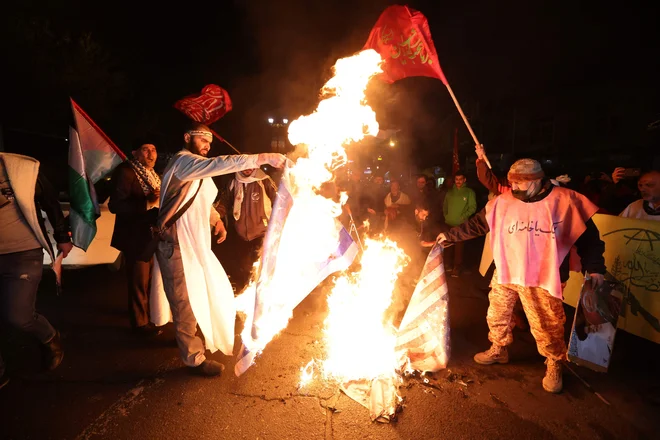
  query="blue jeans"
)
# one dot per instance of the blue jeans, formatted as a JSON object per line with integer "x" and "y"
{"x": 20, "y": 274}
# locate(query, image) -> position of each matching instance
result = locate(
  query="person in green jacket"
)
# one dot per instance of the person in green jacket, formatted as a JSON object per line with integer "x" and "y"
{"x": 459, "y": 205}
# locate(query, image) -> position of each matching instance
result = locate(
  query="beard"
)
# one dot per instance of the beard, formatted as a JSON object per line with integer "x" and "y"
{"x": 194, "y": 148}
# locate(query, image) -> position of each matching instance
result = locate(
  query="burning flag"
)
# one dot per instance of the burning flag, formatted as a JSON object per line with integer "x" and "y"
{"x": 296, "y": 258}
{"x": 402, "y": 37}
{"x": 361, "y": 340}
{"x": 92, "y": 155}
{"x": 424, "y": 331}
{"x": 305, "y": 242}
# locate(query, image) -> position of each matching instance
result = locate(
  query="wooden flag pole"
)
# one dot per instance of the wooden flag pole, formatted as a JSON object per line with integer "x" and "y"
{"x": 467, "y": 123}
{"x": 224, "y": 140}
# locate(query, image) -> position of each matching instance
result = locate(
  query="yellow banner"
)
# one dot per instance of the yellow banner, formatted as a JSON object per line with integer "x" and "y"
{"x": 632, "y": 257}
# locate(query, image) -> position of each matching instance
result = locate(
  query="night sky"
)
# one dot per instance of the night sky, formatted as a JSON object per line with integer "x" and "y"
{"x": 126, "y": 65}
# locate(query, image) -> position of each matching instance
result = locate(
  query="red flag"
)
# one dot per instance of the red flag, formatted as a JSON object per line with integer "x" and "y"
{"x": 456, "y": 164}
{"x": 402, "y": 37}
{"x": 207, "y": 107}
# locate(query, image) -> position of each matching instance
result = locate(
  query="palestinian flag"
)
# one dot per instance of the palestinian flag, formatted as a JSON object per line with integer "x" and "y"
{"x": 92, "y": 155}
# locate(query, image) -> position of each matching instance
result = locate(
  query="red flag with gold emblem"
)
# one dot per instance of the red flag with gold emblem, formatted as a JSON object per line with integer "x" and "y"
{"x": 207, "y": 107}
{"x": 402, "y": 37}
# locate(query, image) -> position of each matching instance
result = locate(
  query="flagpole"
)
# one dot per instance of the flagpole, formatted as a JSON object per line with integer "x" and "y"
{"x": 467, "y": 123}
{"x": 224, "y": 140}
{"x": 443, "y": 78}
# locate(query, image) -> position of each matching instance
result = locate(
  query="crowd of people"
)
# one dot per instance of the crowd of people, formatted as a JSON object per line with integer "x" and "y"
{"x": 532, "y": 220}
{"x": 164, "y": 224}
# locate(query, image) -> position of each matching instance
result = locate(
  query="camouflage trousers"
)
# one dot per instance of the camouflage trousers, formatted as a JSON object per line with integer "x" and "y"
{"x": 544, "y": 312}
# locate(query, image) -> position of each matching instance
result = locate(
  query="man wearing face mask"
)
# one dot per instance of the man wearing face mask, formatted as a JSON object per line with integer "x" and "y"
{"x": 196, "y": 286}
{"x": 533, "y": 228}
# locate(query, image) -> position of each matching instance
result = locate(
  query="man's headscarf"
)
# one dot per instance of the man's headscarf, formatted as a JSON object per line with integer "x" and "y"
{"x": 238, "y": 185}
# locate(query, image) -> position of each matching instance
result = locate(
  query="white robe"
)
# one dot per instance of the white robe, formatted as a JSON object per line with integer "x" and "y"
{"x": 209, "y": 290}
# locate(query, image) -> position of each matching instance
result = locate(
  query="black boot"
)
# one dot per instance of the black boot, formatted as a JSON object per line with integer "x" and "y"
{"x": 52, "y": 352}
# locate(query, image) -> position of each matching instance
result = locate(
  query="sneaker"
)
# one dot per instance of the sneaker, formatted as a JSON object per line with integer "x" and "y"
{"x": 52, "y": 352}
{"x": 208, "y": 368}
{"x": 494, "y": 355}
{"x": 553, "y": 382}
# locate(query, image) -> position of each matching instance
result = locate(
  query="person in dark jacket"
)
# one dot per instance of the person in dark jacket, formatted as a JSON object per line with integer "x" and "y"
{"x": 24, "y": 193}
{"x": 533, "y": 227}
{"x": 134, "y": 199}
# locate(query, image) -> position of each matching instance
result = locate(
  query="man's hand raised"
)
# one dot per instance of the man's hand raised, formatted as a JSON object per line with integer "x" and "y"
{"x": 481, "y": 152}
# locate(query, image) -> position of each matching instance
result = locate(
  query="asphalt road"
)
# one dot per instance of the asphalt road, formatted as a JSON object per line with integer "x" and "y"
{"x": 114, "y": 386}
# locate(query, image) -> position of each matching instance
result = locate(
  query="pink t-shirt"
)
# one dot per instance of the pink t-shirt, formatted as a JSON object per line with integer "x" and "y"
{"x": 530, "y": 240}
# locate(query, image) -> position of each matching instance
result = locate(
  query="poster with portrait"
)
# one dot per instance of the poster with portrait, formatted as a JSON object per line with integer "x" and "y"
{"x": 632, "y": 258}
{"x": 595, "y": 324}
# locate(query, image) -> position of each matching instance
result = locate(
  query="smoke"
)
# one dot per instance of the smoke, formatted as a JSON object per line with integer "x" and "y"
{"x": 294, "y": 44}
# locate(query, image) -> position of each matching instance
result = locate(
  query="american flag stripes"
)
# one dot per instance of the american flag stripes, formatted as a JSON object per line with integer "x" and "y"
{"x": 424, "y": 331}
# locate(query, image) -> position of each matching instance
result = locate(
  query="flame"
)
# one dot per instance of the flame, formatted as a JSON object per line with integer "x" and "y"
{"x": 306, "y": 374}
{"x": 342, "y": 117}
{"x": 361, "y": 342}
{"x": 359, "y": 339}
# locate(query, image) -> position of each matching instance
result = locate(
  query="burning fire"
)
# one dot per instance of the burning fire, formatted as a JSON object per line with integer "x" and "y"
{"x": 342, "y": 117}
{"x": 360, "y": 341}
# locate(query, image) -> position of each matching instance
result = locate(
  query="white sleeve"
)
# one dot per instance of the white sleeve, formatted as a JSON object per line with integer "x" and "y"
{"x": 193, "y": 167}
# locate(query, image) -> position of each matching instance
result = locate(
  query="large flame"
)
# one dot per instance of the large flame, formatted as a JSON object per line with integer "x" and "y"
{"x": 359, "y": 338}
{"x": 360, "y": 341}
{"x": 342, "y": 117}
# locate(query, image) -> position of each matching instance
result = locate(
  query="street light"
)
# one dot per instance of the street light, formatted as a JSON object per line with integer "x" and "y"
{"x": 286, "y": 121}
{"x": 392, "y": 143}
{"x": 271, "y": 120}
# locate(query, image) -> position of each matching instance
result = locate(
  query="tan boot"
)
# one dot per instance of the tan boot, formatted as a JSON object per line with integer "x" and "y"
{"x": 553, "y": 382}
{"x": 494, "y": 355}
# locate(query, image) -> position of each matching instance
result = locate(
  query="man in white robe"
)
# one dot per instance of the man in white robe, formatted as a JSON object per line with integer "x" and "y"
{"x": 196, "y": 286}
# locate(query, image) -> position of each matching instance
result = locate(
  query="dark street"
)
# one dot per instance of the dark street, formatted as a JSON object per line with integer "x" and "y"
{"x": 113, "y": 386}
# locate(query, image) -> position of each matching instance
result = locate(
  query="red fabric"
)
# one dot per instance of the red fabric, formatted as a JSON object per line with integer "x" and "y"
{"x": 207, "y": 107}
{"x": 455, "y": 165}
{"x": 402, "y": 37}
